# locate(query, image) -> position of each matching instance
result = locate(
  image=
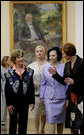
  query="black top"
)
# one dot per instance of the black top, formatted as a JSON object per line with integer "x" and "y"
{"x": 20, "y": 99}
{"x": 76, "y": 74}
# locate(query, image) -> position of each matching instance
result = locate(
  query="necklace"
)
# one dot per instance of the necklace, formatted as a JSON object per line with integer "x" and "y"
{"x": 19, "y": 70}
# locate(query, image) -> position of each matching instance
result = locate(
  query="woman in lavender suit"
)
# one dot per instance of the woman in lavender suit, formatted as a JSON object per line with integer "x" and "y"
{"x": 52, "y": 93}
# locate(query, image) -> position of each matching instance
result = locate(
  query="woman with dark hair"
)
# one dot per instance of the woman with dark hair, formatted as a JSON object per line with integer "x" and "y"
{"x": 73, "y": 77}
{"x": 52, "y": 93}
{"x": 5, "y": 63}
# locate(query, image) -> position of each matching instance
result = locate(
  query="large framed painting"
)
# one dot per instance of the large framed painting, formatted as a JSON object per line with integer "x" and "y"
{"x": 35, "y": 23}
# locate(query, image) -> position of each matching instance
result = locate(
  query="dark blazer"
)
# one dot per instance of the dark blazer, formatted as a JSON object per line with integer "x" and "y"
{"x": 24, "y": 33}
{"x": 76, "y": 74}
{"x": 18, "y": 98}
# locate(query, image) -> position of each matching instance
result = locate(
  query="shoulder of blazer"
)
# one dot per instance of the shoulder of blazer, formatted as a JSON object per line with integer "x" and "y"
{"x": 30, "y": 71}
{"x": 10, "y": 76}
{"x": 67, "y": 64}
{"x": 9, "y": 73}
{"x": 79, "y": 60}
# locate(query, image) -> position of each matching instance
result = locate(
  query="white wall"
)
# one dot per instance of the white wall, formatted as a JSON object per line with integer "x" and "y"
{"x": 5, "y": 40}
{"x": 79, "y": 28}
{"x": 71, "y": 21}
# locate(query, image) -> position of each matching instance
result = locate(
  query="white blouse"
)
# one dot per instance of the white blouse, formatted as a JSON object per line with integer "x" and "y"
{"x": 37, "y": 75}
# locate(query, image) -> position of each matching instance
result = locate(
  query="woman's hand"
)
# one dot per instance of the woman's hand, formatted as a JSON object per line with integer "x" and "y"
{"x": 52, "y": 71}
{"x": 69, "y": 81}
{"x": 42, "y": 100}
{"x": 67, "y": 103}
{"x": 11, "y": 109}
{"x": 36, "y": 86}
{"x": 31, "y": 106}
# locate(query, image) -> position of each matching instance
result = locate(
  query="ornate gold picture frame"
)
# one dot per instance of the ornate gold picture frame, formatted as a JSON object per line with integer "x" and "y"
{"x": 50, "y": 16}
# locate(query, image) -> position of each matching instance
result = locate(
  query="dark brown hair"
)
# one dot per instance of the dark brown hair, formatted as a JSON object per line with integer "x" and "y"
{"x": 69, "y": 49}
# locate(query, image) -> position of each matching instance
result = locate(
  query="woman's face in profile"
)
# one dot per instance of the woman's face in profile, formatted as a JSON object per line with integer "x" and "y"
{"x": 8, "y": 61}
{"x": 65, "y": 56}
{"x": 39, "y": 53}
{"x": 53, "y": 56}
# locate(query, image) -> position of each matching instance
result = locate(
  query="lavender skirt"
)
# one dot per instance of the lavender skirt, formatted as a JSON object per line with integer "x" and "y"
{"x": 55, "y": 110}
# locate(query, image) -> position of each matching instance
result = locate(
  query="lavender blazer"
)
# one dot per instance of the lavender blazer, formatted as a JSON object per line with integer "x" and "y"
{"x": 49, "y": 86}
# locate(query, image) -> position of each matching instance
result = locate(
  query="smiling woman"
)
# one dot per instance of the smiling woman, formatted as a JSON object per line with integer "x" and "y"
{"x": 53, "y": 93}
{"x": 19, "y": 92}
{"x": 16, "y": 53}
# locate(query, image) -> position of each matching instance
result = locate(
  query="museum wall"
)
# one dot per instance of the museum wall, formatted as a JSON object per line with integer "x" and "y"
{"x": 74, "y": 26}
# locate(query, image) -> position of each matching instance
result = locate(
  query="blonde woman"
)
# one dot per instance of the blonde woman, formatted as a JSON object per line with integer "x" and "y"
{"x": 39, "y": 110}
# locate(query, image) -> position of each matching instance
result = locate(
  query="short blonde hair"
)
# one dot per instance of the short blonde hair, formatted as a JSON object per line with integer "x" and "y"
{"x": 15, "y": 53}
{"x": 40, "y": 46}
